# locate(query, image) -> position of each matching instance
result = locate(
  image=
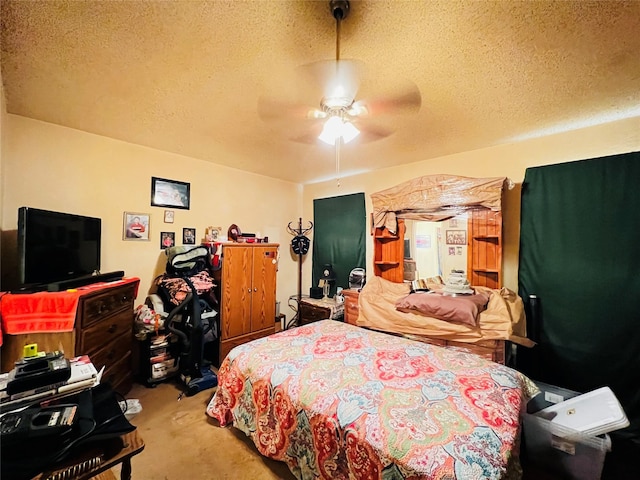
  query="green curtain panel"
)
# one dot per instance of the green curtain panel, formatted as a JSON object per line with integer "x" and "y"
{"x": 339, "y": 237}
{"x": 579, "y": 242}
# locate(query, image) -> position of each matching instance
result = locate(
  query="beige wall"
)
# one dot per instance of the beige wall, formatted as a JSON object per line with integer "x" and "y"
{"x": 58, "y": 168}
{"x": 3, "y": 115}
{"x": 500, "y": 161}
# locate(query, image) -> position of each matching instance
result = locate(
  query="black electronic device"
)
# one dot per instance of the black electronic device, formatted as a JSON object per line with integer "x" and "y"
{"x": 56, "y": 246}
{"x": 37, "y": 422}
{"x": 82, "y": 281}
{"x": 37, "y": 372}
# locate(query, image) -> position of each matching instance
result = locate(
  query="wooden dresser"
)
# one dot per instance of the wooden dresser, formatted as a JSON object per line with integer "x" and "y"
{"x": 351, "y": 309}
{"x": 494, "y": 350}
{"x": 103, "y": 329}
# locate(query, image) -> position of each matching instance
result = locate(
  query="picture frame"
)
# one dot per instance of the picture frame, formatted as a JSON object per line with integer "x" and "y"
{"x": 188, "y": 236}
{"x": 456, "y": 237}
{"x": 135, "y": 226}
{"x": 170, "y": 193}
{"x": 167, "y": 239}
{"x": 168, "y": 216}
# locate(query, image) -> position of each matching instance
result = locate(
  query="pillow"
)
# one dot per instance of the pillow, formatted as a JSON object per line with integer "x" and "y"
{"x": 461, "y": 309}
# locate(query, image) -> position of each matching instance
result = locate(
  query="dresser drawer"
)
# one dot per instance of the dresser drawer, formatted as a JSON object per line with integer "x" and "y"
{"x": 118, "y": 375}
{"x": 312, "y": 313}
{"x": 112, "y": 352}
{"x": 98, "y": 307}
{"x": 100, "y": 334}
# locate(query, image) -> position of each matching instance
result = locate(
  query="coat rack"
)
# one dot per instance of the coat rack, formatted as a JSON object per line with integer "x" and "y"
{"x": 300, "y": 245}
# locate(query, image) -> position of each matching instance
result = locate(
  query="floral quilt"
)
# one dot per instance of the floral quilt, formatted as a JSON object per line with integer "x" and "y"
{"x": 335, "y": 401}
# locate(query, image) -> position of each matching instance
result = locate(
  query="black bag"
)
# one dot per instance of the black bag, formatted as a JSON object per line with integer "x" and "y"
{"x": 186, "y": 262}
{"x": 99, "y": 419}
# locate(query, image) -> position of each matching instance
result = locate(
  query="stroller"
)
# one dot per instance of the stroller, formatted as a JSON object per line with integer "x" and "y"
{"x": 186, "y": 291}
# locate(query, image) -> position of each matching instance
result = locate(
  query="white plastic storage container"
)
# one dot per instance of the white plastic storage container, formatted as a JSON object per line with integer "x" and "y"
{"x": 553, "y": 447}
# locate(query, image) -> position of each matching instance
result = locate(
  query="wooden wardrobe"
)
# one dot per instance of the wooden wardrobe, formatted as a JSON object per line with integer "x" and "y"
{"x": 247, "y": 293}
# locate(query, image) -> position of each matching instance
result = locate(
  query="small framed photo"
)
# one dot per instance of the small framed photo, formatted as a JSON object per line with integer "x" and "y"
{"x": 170, "y": 193}
{"x": 456, "y": 237}
{"x": 168, "y": 216}
{"x": 213, "y": 233}
{"x": 167, "y": 239}
{"x": 135, "y": 226}
{"x": 188, "y": 236}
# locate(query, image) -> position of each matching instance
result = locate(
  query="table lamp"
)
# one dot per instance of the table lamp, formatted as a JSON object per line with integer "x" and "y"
{"x": 327, "y": 277}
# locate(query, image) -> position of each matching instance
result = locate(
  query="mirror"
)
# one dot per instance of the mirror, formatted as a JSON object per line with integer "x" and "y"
{"x": 435, "y": 248}
{"x": 432, "y": 198}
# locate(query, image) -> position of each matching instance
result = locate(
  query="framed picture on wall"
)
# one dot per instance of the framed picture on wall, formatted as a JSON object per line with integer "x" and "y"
{"x": 188, "y": 236}
{"x": 456, "y": 237}
{"x": 170, "y": 193}
{"x": 135, "y": 226}
{"x": 168, "y": 216}
{"x": 167, "y": 239}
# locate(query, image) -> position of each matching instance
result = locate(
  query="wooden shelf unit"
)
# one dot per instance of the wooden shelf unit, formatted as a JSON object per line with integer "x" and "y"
{"x": 485, "y": 248}
{"x": 388, "y": 253}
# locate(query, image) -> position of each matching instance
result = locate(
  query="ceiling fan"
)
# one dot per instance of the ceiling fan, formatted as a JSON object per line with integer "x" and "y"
{"x": 334, "y": 101}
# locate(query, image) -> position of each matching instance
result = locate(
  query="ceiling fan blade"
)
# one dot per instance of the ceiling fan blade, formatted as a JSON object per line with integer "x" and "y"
{"x": 279, "y": 109}
{"x": 334, "y": 78}
{"x": 403, "y": 99}
{"x": 310, "y": 136}
{"x": 371, "y": 133}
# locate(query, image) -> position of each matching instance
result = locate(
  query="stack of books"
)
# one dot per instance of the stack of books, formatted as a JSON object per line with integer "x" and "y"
{"x": 83, "y": 376}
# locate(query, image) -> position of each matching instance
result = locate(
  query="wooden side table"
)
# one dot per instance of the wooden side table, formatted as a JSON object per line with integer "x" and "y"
{"x": 312, "y": 310}
{"x": 80, "y": 466}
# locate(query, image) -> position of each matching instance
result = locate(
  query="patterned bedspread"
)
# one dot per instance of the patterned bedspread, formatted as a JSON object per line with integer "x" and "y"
{"x": 336, "y": 401}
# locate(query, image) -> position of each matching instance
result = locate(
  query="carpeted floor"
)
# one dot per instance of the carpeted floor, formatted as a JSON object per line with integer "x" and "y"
{"x": 181, "y": 442}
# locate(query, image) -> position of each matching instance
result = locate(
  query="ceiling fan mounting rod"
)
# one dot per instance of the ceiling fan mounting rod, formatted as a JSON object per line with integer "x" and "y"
{"x": 340, "y": 11}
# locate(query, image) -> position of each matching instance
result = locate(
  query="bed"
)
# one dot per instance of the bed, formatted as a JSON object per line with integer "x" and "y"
{"x": 501, "y": 319}
{"x": 335, "y": 401}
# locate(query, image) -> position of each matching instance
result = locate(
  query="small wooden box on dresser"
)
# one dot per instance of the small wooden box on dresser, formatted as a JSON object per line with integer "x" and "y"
{"x": 103, "y": 330}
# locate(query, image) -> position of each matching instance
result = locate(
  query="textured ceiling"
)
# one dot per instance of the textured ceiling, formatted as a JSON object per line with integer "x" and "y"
{"x": 188, "y": 76}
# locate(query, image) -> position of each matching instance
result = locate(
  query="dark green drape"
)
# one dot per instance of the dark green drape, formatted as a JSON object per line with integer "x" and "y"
{"x": 579, "y": 253}
{"x": 339, "y": 237}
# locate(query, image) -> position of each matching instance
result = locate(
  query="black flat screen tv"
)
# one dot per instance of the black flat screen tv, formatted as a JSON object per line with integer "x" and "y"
{"x": 56, "y": 246}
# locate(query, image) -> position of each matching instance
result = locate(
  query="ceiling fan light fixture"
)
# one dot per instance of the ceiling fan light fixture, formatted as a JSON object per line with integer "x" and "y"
{"x": 334, "y": 128}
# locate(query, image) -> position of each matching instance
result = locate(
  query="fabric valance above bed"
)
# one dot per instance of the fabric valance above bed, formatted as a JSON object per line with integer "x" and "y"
{"x": 435, "y": 197}
{"x": 502, "y": 319}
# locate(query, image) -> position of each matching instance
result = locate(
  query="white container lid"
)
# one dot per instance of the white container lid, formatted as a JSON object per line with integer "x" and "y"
{"x": 592, "y": 413}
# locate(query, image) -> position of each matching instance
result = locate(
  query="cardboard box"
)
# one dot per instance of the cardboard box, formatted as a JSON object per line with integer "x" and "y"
{"x": 555, "y": 448}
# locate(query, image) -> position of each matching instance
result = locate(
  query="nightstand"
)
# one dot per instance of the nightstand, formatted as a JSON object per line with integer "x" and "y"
{"x": 351, "y": 308}
{"x": 312, "y": 310}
